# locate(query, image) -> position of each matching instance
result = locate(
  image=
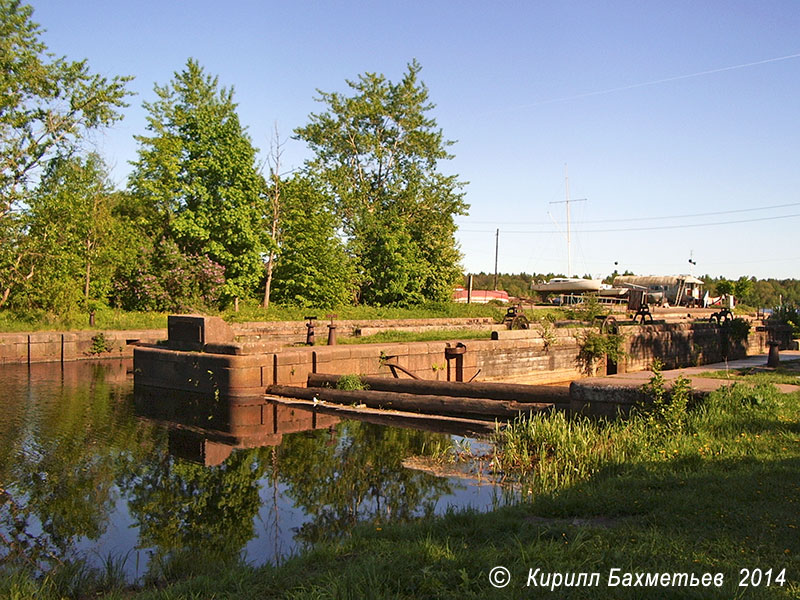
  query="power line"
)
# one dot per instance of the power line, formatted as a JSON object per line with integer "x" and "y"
{"x": 686, "y": 226}
{"x": 660, "y": 218}
{"x": 634, "y": 86}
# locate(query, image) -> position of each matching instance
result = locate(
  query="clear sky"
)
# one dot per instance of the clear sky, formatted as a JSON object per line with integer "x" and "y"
{"x": 658, "y": 110}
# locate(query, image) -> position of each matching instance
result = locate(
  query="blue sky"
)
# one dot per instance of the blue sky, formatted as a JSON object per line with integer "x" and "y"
{"x": 658, "y": 110}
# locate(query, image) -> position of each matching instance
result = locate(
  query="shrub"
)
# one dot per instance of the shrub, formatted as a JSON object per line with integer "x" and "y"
{"x": 350, "y": 382}
{"x": 594, "y": 346}
{"x": 666, "y": 411}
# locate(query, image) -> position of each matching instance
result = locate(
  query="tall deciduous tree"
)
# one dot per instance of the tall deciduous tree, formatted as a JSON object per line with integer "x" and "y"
{"x": 197, "y": 175}
{"x": 311, "y": 265}
{"x": 74, "y": 233}
{"x": 378, "y": 153}
{"x": 46, "y": 106}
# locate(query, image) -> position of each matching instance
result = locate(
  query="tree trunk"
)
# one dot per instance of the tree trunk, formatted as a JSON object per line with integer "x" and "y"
{"x": 268, "y": 286}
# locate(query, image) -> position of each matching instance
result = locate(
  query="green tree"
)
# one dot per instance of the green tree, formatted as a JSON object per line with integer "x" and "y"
{"x": 377, "y": 153}
{"x": 74, "y": 234}
{"x": 196, "y": 175}
{"x": 311, "y": 266}
{"x": 47, "y": 105}
{"x": 742, "y": 289}
{"x": 724, "y": 287}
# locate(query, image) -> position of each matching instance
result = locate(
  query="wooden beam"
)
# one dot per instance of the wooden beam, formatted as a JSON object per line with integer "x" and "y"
{"x": 436, "y": 405}
{"x": 498, "y": 391}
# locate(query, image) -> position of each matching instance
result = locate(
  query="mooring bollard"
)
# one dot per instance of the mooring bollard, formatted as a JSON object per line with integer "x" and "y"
{"x": 774, "y": 358}
{"x": 455, "y": 352}
{"x": 310, "y": 330}
{"x": 331, "y": 331}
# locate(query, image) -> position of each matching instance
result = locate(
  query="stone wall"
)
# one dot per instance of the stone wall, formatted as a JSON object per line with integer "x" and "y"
{"x": 524, "y": 357}
{"x": 248, "y": 338}
{"x": 48, "y": 346}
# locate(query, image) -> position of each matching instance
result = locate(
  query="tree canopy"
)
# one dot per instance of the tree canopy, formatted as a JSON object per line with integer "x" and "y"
{"x": 377, "y": 153}
{"x": 312, "y": 267}
{"x": 197, "y": 178}
{"x": 47, "y": 105}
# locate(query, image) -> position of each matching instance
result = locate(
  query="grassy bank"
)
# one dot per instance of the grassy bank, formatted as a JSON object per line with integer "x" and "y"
{"x": 118, "y": 319}
{"x": 253, "y": 312}
{"x": 107, "y": 319}
{"x": 712, "y": 490}
{"x": 391, "y": 337}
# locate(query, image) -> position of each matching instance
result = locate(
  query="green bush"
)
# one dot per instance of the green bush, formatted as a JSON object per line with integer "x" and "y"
{"x": 594, "y": 346}
{"x": 350, "y": 382}
{"x": 666, "y": 410}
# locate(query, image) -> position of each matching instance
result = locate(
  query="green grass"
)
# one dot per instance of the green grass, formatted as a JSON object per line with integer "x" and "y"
{"x": 389, "y": 336}
{"x": 787, "y": 372}
{"x": 250, "y": 311}
{"x": 106, "y": 319}
{"x": 719, "y": 494}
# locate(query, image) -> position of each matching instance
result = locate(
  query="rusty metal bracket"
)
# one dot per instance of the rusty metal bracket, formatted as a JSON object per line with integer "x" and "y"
{"x": 455, "y": 353}
{"x": 394, "y": 367}
{"x": 514, "y": 319}
{"x": 609, "y": 325}
{"x": 721, "y": 317}
{"x": 643, "y": 312}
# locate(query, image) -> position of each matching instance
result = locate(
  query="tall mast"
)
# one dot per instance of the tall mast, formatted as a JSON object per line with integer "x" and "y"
{"x": 569, "y": 240}
{"x": 567, "y": 201}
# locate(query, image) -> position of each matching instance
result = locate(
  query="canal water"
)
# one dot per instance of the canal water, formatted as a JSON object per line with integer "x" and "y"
{"x": 90, "y": 470}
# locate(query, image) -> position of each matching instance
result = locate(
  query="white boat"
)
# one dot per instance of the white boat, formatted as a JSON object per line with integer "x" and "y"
{"x": 608, "y": 291}
{"x": 567, "y": 285}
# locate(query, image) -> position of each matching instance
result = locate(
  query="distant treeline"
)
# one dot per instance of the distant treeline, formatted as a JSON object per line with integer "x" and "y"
{"x": 760, "y": 293}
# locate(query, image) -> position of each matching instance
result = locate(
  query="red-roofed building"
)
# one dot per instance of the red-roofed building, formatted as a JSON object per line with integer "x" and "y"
{"x": 480, "y": 296}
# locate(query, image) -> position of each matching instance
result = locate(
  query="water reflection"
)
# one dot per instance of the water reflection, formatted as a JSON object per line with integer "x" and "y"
{"x": 89, "y": 468}
{"x": 67, "y": 435}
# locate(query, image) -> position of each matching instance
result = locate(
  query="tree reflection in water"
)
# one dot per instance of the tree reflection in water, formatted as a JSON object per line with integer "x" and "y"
{"x": 339, "y": 476}
{"x": 74, "y": 454}
{"x": 357, "y": 476}
{"x": 62, "y": 451}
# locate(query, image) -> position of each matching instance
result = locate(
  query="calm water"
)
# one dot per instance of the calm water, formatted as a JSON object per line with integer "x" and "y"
{"x": 89, "y": 469}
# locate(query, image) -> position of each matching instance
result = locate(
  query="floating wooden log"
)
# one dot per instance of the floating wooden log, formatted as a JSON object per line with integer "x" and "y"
{"x": 498, "y": 391}
{"x": 435, "y": 405}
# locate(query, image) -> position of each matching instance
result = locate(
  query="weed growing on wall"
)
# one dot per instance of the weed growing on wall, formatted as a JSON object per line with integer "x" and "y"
{"x": 594, "y": 346}
{"x": 99, "y": 344}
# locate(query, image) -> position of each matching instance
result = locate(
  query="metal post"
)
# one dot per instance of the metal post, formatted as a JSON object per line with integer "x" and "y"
{"x": 496, "y": 251}
{"x": 310, "y": 330}
{"x": 331, "y": 331}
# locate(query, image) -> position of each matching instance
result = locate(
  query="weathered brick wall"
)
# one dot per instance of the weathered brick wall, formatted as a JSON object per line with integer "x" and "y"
{"x": 48, "y": 346}
{"x": 688, "y": 344}
{"x": 525, "y": 358}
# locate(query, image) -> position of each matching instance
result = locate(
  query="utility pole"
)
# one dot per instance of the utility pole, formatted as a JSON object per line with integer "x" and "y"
{"x": 496, "y": 249}
{"x": 567, "y": 201}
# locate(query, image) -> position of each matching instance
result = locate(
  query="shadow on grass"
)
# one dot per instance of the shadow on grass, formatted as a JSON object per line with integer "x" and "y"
{"x": 684, "y": 515}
